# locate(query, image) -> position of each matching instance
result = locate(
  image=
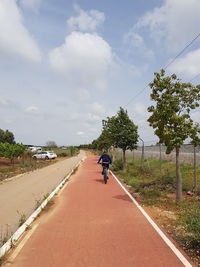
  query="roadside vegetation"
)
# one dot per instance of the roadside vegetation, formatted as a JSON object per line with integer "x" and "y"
{"x": 15, "y": 158}
{"x": 25, "y": 163}
{"x": 156, "y": 191}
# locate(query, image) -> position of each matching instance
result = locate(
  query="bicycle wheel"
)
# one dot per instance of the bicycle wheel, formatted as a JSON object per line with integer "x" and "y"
{"x": 105, "y": 175}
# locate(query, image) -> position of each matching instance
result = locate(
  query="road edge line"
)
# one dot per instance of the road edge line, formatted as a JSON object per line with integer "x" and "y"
{"x": 155, "y": 226}
{"x": 15, "y": 237}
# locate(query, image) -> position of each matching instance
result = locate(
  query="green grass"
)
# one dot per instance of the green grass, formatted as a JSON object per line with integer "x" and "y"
{"x": 63, "y": 152}
{"x": 150, "y": 172}
{"x": 157, "y": 188}
{"x": 190, "y": 215}
{"x": 7, "y": 170}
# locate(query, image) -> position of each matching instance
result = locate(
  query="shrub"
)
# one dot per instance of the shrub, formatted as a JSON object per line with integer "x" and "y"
{"x": 190, "y": 216}
{"x": 117, "y": 165}
{"x": 63, "y": 154}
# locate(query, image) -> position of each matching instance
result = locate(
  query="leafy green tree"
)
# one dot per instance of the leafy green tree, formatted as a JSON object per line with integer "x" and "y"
{"x": 51, "y": 144}
{"x": 11, "y": 151}
{"x": 94, "y": 144}
{"x": 121, "y": 132}
{"x": 72, "y": 150}
{"x": 195, "y": 140}
{"x": 171, "y": 115}
{"x": 105, "y": 140}
{"x": 6, "y": 137}
{"x": 1, "y": 136}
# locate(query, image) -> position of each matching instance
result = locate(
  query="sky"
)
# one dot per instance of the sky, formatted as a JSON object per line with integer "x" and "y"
{"x": 67, "y": 65}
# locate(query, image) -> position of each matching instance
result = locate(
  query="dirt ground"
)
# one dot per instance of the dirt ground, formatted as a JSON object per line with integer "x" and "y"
{"x": 8, "y": 169}
{"x": 104, "y": 229}
{"x": 167, "y": 221}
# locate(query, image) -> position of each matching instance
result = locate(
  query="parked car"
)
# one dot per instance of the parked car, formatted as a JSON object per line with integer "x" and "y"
{"x": 34, "y": 149}
{"x": 45, "y": 155}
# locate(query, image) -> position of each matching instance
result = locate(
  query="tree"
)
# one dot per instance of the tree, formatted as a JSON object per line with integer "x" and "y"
{"x": 6, "y": 137}
{"x": 72, "y": 150}
{"x": 105, "y": 140}
{"x": 51, "y": 144}
{"x": 171, "y": 115}
{"x": 195, "y": 142}
{"x": 11, "y": 151}
{"x": 121, "y": 132}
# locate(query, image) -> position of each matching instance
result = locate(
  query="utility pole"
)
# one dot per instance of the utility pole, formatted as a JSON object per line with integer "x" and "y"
{"x": 142, "y": 157}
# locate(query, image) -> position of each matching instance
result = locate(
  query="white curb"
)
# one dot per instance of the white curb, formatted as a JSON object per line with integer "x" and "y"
{"x": 9, "y": 244}
{"x": 155, "y": 226}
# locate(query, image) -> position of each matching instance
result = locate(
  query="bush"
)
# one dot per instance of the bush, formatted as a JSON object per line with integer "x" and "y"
{"x": 117, "y": 165}
{"x": 11, "y": 151}
{"x": 150, "y": 193}
{"x": 134, "y": 182}
{"x": 63, "y": 154}
{"x": 190, "y": 216}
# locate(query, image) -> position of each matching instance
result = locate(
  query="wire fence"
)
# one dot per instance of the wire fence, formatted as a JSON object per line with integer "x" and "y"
{"x": 188, "y": 153}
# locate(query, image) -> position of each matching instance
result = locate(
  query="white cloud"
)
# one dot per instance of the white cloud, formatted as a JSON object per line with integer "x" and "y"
{"x": 93, "y": 118}
{"x": 32, "y": 109}
{"x": 174, "y": 23}
{"x": 14, "y": 37}
{"x": 83, "y": 58}
{"x": 136, "y": 43}
{"x": 140, "y": 109}
{"x": 83, "y": 94}
{"x": 31, "y": 4}
{"x": 80, "y": 133}
{"x": 188, "y": 66}
{"x": 85, "y": 20}
{"x": 97, "y": 108}
{"x": 4, "y": 102}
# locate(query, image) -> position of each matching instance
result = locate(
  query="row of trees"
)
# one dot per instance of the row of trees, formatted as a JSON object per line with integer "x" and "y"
{"x": 11, "y": 151}
{"x": 118, "y": 131}
{"x": 170, "y": 118}
{"x": 7, "y": 137}
{"x": 8, "y": 147}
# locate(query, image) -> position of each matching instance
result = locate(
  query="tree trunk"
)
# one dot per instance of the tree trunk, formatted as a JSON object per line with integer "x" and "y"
{"x": 160, "y": 148}
{"x": 178, "y": 178}
{"x": 195, "y": 170}
{"x": 124, "y": 159}
{"x": 113, "y": 153}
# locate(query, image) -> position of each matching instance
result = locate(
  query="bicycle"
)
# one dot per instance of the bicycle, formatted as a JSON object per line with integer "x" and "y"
{"x": 105, "y": 171}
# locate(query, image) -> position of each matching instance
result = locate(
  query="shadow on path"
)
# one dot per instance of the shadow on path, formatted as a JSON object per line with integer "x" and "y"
{"x": 99, "y": 180}
{"x": 123, "y": 197}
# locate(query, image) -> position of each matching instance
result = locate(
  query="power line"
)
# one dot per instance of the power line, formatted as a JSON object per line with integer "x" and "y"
{"x": 171, "y": 62}
{"x": 181, "y": 52}
{"x": 195, "y": 77}
{"x": 139, "y": 93}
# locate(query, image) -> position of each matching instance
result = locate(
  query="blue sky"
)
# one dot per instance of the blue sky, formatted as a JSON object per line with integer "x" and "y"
{"x": 66, "y": 65}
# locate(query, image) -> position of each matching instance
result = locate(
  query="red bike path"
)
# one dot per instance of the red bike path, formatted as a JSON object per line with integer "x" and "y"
{"x": 94, "y": 224}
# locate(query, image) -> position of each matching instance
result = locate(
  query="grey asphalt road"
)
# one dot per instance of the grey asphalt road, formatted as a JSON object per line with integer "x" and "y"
{"x": 20, "y": 195}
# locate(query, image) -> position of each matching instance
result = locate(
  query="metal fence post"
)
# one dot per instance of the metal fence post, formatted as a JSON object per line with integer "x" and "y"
{"x": 142, "y": 158}
{"x": 195, "y": 169}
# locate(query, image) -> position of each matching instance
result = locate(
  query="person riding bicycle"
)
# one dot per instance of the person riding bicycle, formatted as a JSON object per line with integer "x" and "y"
{"x": 105, "y": 160}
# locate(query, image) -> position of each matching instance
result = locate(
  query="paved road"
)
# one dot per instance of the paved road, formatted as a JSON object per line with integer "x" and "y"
{"x": 20, "y": 195}
{"x": 93, "y": 225}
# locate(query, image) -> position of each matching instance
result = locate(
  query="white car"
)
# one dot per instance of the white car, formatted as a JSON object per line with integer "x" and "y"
{"x": 45, "y": 155}
{"x": 34, "y": 149}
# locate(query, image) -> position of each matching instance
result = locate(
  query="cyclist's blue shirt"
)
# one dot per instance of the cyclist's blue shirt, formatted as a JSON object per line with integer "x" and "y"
{"x": 108, "y": 158}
